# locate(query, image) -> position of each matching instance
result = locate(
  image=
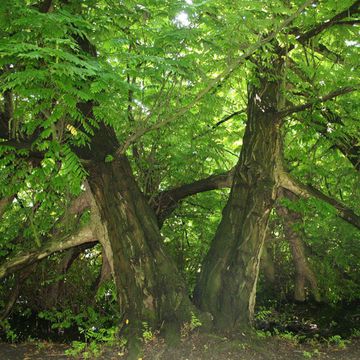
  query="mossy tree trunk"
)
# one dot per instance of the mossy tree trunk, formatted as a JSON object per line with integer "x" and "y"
{"x": 227, "y": 283}
{"x": 149, "y": 287}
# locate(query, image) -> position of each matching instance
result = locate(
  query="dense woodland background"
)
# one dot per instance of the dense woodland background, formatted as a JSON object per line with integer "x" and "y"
{"x": 166, "y": 162}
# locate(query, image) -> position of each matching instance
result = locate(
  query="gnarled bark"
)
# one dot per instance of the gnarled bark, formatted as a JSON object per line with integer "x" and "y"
{"x": 149, "y": 286}
{"x": 227, "y": 284}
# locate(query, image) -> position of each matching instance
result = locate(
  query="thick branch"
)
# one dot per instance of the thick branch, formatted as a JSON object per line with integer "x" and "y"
{"x": 214, "y": 82}
{"x": 167, "y": 201}
{"x": 82, "y": 236}
{"x": 329, "y": 96}
{"x": 306, "y": 191}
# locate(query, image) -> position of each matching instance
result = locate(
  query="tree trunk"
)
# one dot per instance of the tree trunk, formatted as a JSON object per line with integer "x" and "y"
{"x": 227, "y": 283}
{"x": 303, "y": 271}
{"x": 149, "y": 286}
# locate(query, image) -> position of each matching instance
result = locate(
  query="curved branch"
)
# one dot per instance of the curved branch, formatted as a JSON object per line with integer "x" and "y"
{"x": 167, "y": 201}
{"x": 81, "y": 236}
{"x": 295, "y": 186}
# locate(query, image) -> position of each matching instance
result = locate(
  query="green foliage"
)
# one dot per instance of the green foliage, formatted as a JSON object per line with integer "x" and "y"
{"x": 338, "y": 341}
{"x": 93, "y": 326}
{"x": 262, "y": 334}
{"x": 149, "y": 60}
{"x": 195, "y": 322}
{"x": 147, "y": 333}
{"x": 10, "y": 334}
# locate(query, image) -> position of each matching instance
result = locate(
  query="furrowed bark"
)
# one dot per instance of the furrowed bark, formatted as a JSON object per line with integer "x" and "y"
{"x": 149, "y": 286}
{"x": 227, "y": 283}
{"x": 81, "y": 236}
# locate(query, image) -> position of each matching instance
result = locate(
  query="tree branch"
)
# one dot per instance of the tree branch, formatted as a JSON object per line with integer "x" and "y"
{"x": 295, "y": 186}
{"x": 353, "y": 9}
{"x": 167, "y": 201}
{"x": 329, "y": 96}
{"x": 223, "y": 120}
{"x": 81, "y": 236}
{"x": 214, "y": 82}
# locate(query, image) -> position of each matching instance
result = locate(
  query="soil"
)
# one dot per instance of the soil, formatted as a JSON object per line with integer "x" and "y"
{"x": 199, "y": 347}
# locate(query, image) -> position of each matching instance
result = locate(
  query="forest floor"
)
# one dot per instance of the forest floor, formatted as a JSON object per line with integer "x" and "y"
{"x": 199, "y": 347}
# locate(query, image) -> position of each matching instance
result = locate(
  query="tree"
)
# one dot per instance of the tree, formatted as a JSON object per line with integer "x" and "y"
{"x": 227, "y": 284}
{"x": 95, "y": 97}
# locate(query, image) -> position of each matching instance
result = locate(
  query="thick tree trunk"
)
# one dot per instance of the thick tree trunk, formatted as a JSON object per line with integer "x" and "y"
{"x": 227, "y": 284}
{"x": 149, "y": 286}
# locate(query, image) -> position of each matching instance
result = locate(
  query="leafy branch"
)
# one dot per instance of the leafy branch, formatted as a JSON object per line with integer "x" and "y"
{"x": 320, "y": 99}
{"x": 214, "y": 82}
